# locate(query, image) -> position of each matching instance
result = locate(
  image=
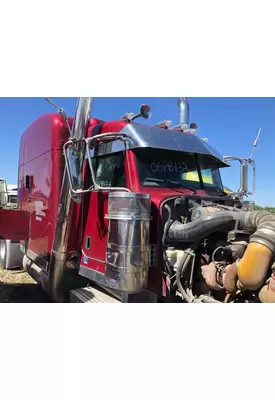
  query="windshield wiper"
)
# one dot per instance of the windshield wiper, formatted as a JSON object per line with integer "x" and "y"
{"x": 169, "y": 183}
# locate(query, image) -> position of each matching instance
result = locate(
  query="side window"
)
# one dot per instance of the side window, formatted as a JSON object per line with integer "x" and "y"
{"x": 75, "y": 170}
{"x": 207, "y": 176}
{"x": 210, "y": 171}
{"x": 109, "y": 170}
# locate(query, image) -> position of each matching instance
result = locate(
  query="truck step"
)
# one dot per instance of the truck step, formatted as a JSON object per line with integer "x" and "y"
{"x": 90, "y": 295}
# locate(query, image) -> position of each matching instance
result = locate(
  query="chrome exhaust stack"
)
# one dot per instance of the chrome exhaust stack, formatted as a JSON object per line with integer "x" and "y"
{"x": 53, "y": 283}
{"x": 183, "y": 123}
{"x": 82, "y": 117}
{"x": 183, "y": 111}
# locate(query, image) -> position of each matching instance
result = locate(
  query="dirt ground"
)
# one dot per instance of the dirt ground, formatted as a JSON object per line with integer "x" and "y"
{"x": 16, "y": 286}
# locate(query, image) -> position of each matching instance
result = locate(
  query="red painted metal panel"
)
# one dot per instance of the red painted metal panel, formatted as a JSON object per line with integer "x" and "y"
{"x": 41, "y": 158}
{"x": 14, "y": 224}
{"x": 95, "y": 225}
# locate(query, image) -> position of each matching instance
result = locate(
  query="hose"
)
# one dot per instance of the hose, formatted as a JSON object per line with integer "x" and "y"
{"x": 168, "y": 268}
{"x": 188, "y": 295}
{"x": 196, "y": 230}
{"x": 263, "y": 223}
{"x": 180, "y": 271}
{"x": 257, "y": 259}
{"x": 254, "y": 265}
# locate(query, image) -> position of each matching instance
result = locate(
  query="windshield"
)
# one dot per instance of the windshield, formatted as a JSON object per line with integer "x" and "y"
{"x": 166, "y": 168}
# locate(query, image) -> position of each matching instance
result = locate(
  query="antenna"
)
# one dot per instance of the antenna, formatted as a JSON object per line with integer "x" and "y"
{"x": 60, "y": 111}
{"x": 255, "y": 142}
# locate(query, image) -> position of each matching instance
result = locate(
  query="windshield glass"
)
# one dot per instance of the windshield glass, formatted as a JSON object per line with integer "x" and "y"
{"x": 165, "y": 168}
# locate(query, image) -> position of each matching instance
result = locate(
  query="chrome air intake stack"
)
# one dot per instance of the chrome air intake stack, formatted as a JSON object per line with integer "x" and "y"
{"x": 128, "y": 246}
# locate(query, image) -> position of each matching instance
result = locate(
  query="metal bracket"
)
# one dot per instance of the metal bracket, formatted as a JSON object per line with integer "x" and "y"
{"x": 244, "y": 164}
{"x": 72, "y": 143}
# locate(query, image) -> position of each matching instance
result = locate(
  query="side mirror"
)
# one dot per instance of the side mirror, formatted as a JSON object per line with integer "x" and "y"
{"x": 244, "y": 178}
{"x": 244, "y": 175}
{"x": 145, "y": 111}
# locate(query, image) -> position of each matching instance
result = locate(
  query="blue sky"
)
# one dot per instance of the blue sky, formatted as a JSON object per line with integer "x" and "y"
{"x": 231, "y": 124}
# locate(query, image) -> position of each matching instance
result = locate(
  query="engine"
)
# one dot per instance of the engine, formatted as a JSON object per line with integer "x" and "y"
{"x": 217, "y": 253}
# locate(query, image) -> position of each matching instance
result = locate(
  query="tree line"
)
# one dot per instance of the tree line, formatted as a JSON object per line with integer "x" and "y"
{"x": 267, "y": 208}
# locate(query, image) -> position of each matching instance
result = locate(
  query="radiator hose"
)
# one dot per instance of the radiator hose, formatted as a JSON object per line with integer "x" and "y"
{"x": 201, "y": 227}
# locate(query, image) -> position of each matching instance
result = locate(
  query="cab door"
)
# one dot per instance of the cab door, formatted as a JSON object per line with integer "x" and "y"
{"x": 109, "y": 172}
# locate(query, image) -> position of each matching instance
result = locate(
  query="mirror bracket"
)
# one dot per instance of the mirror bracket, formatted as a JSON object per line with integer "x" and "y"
{"x": 144, "y": 112}
{"x": 244, "y": 164}
{"x": 112, "y": 136}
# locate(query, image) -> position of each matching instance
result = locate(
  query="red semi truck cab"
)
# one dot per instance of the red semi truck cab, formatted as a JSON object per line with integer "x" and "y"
{"x": 108, "y": 203}
{"x": 149, "y": 160}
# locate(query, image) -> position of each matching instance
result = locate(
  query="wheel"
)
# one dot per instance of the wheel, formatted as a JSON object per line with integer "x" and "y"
{"x": 10, "y": 254}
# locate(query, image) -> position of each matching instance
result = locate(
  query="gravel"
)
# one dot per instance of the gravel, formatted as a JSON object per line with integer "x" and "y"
{"x": 17, "y": 286}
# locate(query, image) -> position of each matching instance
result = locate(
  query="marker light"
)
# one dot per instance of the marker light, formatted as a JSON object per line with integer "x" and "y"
{"x": 164, "y": 124}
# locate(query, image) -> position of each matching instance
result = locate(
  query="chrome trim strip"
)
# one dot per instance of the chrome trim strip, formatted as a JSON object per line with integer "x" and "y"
{"x": 98, "y": 278}
{"x": 91, "y": 258}
{"x": 38, "y": 260}
{"x": 141, "y": 297}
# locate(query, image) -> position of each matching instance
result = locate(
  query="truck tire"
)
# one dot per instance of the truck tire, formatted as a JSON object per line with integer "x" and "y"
{"x": 10, "y": 254}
